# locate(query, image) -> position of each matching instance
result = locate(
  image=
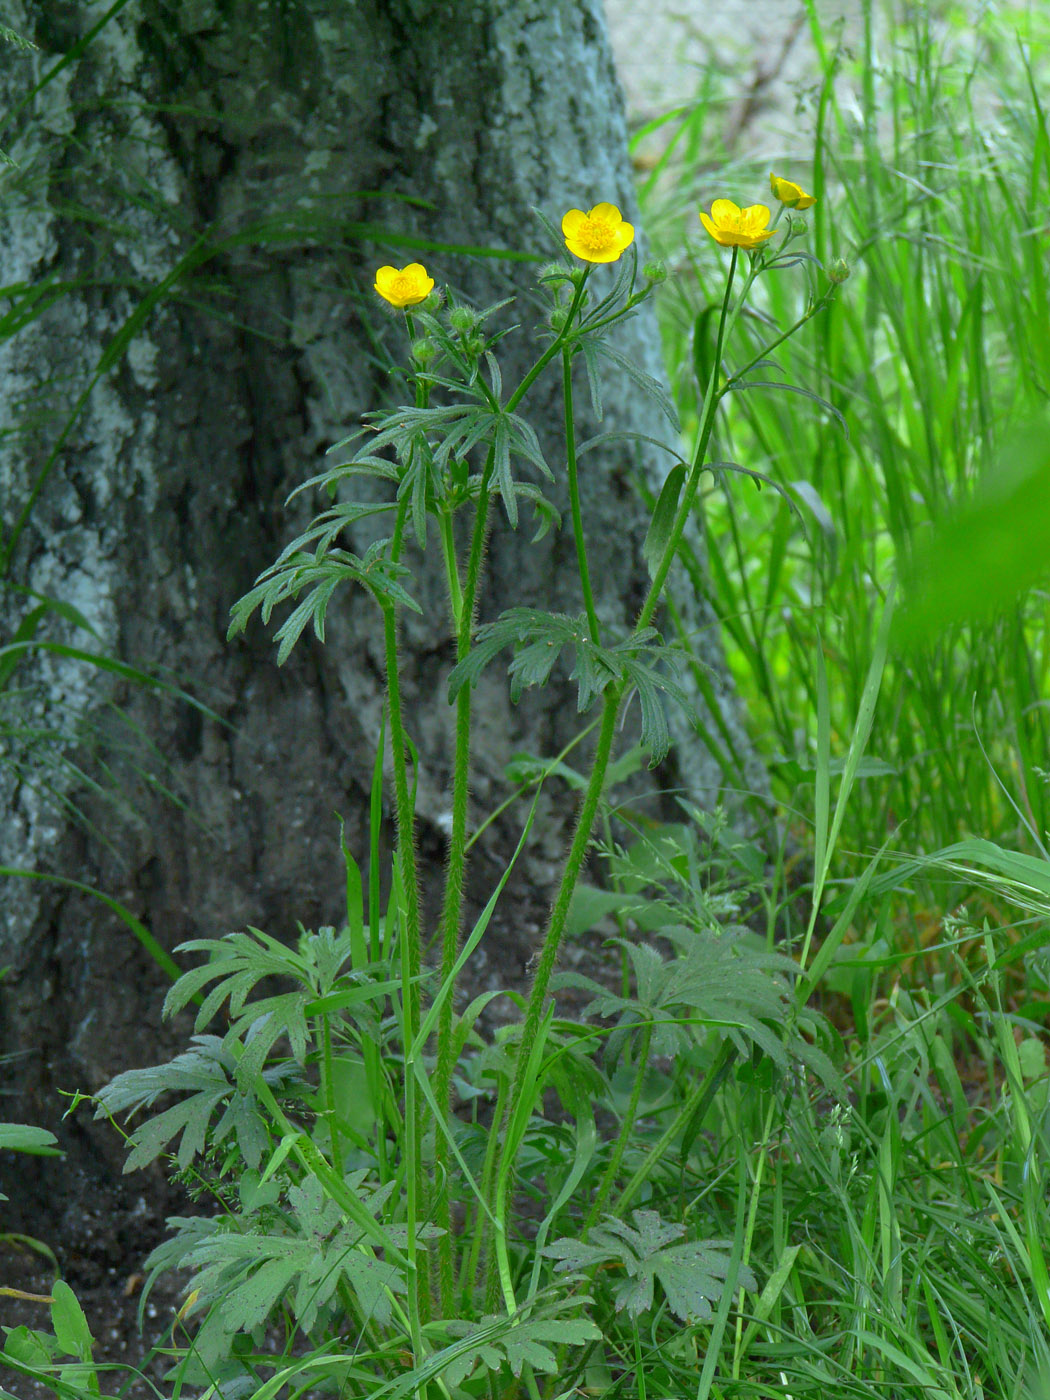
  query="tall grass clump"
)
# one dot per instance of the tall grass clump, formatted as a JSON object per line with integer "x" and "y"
{"x": 931, "y": 135}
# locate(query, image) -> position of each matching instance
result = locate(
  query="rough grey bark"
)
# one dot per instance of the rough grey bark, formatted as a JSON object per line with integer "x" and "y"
{"x": 168, "y": 497}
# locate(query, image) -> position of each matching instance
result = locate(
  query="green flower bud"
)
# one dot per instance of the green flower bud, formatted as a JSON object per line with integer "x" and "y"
{"x": 424, "y": 352}
{"x": 655, "y": 272}
{"x": 463, "y": 319}
{"x": 559, "y": 316}
{"x": 840, "y": 270}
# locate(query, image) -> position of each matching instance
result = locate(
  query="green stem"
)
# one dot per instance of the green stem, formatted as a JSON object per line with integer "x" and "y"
{"x": 574, "y": 495}
{"x": 418, "y": 1282}
{"x": 552, "y": 349}
{"x": 560, "y": 910}
{"x": 814, "y": 310}
{"x": 458, "y": 845}
{"x": 477, "y": 1260}
{"x": 329, "y": 1095}
{"x": 707, "y": 421}
{"x": 448, "y": 549}
{"x": 551, "y": 767}
{"x": 618, "y": 315}
{"x": 698, "y": 1102}
{"x": 410, "y": 934}
{"x": 452, "y": 908}
{"x": 626, "y": 1128}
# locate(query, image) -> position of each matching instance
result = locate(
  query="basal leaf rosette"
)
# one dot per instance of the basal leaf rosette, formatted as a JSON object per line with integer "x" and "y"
{"x": 733, "y": 227}
{"x": 792, "y": 196}
{"x": 601, "y": 235}
{"x": 405, "y": 287}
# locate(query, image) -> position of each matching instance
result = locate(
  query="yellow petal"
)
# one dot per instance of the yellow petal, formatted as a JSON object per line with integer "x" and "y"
{"x": 607, "y": 212}
{"x": 724, "y": 211}
{"x": 624, "y": 235}
{"x": 712, "y": 230}
{"x": 754, "y": 217}
{"x": 571, "y": 221}
{"x": 782, "y": 189}
{"x": 599, "y": 255}
{"x": 384, "y": 277}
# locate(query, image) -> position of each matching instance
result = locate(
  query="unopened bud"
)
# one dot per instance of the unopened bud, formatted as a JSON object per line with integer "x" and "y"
{"x": 424, "y": 352}
{"x": 559, "y": 316}
{"x": 655, "y": 271}
{"x": 463, "y": 319}
{"x": 840, "y": 270}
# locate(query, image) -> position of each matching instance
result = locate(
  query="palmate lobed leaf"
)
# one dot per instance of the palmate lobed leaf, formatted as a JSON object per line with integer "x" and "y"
{"x": 206, "y": 1075}
{"x": 718, "y": 981}
{"x": 495, "y": 1341}
{"x": 540, "y": 637}
{"x": 320, "y": 574}
{"x": 242, "y": 1272}
{"x": 692, "y": 1274}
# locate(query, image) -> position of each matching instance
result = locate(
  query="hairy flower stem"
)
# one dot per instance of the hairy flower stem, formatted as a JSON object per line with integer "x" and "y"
{"x": 553, "y": 348}
{"x": 707, "y": 421}
{"x": 613, "y": 696}
{"x": 626, "y": 1128}
{"x": 448, "y": 549}
{"x": 411, "y": 938}
{"x": 560, "y": 909}
{"x": 574, "y": 496}
{"x": 452, "y": 907}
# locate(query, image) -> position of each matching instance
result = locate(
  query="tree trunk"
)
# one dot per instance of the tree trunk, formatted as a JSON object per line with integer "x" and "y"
{"x": 291, "y": 134}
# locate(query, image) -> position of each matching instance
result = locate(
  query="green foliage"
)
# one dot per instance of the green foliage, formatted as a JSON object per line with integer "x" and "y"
{"x": 325, "y": 1250}
{"x": 494, "y": 1342}
{"x": 928, "y": 159}
{"x": 21, "y": 1137}
{"x": 207, "y": 1075}
{"x": 538, "y": 639}
{"x": 320, "y": 574}
{"x": 983, "y": 559}
{"x": 310, "y": 1257}
{"x": 692, "y": 1275}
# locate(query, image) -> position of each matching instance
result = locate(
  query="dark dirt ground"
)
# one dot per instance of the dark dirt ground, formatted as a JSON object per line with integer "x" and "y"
{"x": 110, "y": 1296}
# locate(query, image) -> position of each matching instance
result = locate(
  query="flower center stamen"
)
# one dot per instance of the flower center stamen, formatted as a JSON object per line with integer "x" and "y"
{"x": 596, "y": 235}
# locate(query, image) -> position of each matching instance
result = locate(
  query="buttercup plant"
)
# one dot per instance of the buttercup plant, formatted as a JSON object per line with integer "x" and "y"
{"x": 351, "y": 1143}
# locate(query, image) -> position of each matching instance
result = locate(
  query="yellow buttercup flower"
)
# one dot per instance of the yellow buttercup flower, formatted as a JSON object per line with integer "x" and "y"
{"x": 599, "y": 236}
{"x": 408, "y": 287}
{"x": 791, "y": 195}
{"x": 734, "y": 227}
